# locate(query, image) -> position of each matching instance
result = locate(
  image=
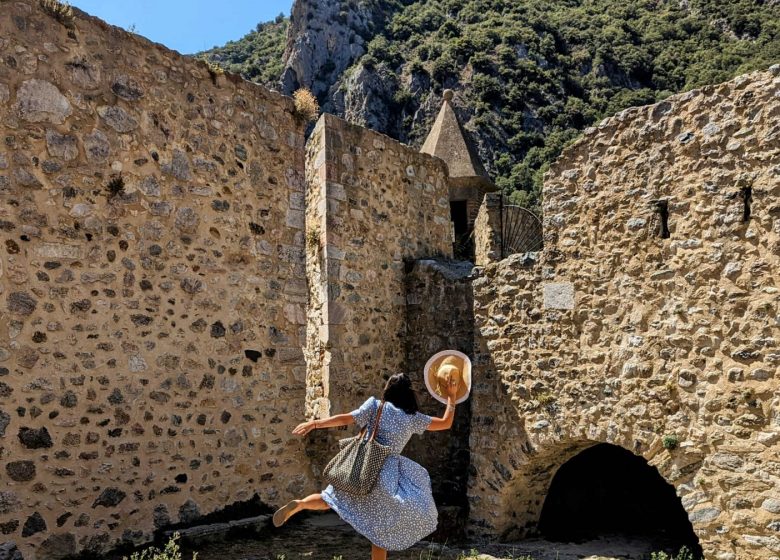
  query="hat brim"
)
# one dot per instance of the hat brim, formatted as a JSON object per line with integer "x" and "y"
{"x": 432, "y": 366}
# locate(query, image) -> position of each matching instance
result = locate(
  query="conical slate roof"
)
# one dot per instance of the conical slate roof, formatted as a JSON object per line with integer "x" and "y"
{"x": 451, "y": 143}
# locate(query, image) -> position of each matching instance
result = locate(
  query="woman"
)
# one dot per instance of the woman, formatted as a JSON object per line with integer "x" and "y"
{"x": 400, "y": 510}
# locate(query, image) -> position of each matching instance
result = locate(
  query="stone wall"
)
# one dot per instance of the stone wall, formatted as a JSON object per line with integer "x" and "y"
{"x": 373, "y": 205}
{"x": 621, "y": 334}
{"x": 487, "y": 230}
{"x": 152, "y": 287}
{"x": 158, "y": 230}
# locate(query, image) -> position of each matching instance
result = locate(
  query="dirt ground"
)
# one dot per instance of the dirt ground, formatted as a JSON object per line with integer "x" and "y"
{"x": 326, "y": 537}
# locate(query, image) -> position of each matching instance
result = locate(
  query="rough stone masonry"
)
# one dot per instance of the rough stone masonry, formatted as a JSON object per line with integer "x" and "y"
{"x": 182, "y": 281}
{"x": 653, "y": 310}
{"x": 155, "y": 302}
{"x": 152, "y": 288}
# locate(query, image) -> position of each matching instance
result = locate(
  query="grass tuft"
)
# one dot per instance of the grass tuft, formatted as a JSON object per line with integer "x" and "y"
{"x": 671, "y": 442}
{"x": 682, "y": 554}
{"x": 307, "y": 109}
{"x": 214, "y": 69}
{"x": 61, "y": 11}
{"x": 115, "y": 186}
{"x": 171, "y": 551}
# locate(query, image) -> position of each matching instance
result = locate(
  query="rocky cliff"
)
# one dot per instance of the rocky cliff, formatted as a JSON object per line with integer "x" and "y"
{"x": 529, "y": 75}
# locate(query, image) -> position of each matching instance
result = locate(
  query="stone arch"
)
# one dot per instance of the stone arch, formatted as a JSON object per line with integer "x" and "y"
{"x": 539, "y": 464}
{"x": 606, "y": 489}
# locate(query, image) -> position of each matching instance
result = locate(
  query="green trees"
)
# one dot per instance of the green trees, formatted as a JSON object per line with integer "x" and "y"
{"x": 257, "y": 56}
{"x": 533, "y": 73}
{"x": 536, "y": 72}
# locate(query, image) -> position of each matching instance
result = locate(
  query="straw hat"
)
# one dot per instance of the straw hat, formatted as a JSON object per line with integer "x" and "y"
{"x": 442, "y": 367}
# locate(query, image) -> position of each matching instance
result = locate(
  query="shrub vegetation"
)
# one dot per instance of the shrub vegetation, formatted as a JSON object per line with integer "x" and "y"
{"x": 534, "y": 73}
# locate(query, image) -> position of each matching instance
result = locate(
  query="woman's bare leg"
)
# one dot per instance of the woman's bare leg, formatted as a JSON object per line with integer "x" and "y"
{"x": 378, "y": 553}
{"x": 313, "y": 502}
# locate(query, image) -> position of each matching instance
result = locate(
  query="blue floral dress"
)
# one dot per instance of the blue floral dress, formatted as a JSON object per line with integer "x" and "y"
{"x": 400, "y": 510}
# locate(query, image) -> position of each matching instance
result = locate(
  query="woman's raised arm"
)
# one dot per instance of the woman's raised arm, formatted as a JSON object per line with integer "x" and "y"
{"x": 445, "y": 422}
{"x": 332, "y": 422}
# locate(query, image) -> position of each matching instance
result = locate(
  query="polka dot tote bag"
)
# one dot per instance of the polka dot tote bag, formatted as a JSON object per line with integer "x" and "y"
{"x": 355, "y": 469}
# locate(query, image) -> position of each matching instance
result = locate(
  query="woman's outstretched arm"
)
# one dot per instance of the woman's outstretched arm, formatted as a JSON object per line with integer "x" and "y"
{"x": 445, "y": 422}
{"x": 332, "y": 422}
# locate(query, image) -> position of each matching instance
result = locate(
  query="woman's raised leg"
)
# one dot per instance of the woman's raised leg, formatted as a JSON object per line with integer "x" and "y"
{"x": 378, "y": 553}
{"x": 313, "y": 502}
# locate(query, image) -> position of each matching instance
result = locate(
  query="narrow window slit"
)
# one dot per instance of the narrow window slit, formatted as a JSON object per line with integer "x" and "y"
{"x": 747, "y": 199}
{"x": 662, "y": 209}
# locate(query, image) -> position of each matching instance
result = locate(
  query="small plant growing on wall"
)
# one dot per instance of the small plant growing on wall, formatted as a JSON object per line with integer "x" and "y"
{"x": 61, "y": 11}
{"x": 171, "y": 551}
{"x": 214, "y": 69}
{"x": 683, "y": 554}
{"x": 306, "y": 107}
{"x": 116, "y": 186}
{"x": 671, "y": 442}
{"x": 313, "y": 238}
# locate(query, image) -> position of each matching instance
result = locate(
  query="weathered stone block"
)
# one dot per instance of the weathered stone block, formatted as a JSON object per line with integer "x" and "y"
{"x": 558, "y": 296}
{"x": 110, "y": 497}
{"x": 97, "y": 147}
{"x": 21, "y": 303}
{"x": 41, "y": 101}
{"x": 771, "y": 505}
{"x": 187, "y": 220}
{"x": 34, "y": 524}
{"x": 59, "y": 546}
{"x": 127, "y": 88}
{"x": 9, "y": 551}
{"x": 63, "y": 146}
{"x": 35, "y": 438}
{"x": 178, "y": 167}
{"x": 117, "y": 118}
{"x": 136, "y": 363}
{"x": 21, "y": 471}
{"x": 5, "y": 419}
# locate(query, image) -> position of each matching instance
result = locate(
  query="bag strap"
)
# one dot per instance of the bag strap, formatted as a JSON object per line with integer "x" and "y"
{"x": 378, "y": 419}
{"x": 376, "y": 423}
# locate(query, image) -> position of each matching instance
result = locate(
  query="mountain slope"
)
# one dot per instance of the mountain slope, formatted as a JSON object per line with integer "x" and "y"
{"x": 529, "y": 75}
{"x": 257, "y": 56}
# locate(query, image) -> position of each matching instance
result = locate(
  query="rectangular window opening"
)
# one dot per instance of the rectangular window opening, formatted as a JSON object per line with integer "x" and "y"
{"x": 662, "y": 209}
{"x": 747, "y": 199}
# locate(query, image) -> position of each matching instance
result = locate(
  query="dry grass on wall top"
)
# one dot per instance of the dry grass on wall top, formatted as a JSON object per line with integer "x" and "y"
{"x": 307, "y": 109}
{"x": 61, "y": 11}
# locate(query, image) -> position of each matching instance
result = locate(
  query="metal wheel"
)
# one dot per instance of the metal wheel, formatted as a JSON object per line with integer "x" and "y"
{"x": 521, "y": 230}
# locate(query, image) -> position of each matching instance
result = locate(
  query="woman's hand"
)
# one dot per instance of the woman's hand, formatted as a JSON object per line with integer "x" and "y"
{"x": 305, "y": 428}
{"x": 452, "y": 390}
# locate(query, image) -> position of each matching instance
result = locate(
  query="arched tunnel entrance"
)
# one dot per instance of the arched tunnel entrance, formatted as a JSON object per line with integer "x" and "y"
{"x": 606, "y": 490}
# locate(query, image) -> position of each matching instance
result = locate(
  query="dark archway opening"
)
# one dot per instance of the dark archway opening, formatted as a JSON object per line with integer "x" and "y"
{"x": 605, "y": 491}
{"x": 462, "y": 245}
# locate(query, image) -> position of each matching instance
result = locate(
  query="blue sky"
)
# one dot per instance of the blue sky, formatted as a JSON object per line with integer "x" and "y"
{"x": 187, "y": 26}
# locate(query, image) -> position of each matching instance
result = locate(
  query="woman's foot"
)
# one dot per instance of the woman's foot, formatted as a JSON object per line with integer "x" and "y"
{"x": 284, "y": 513}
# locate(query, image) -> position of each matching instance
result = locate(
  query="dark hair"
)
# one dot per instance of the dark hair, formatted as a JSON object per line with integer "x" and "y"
{"x": 398, "y": 392}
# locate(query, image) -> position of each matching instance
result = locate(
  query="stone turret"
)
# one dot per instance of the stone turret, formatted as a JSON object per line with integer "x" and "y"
{"x": 468, "y": 179}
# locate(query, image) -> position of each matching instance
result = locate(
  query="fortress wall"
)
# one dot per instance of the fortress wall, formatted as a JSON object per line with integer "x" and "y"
{"x": 374, "y": 206}
{"x": 151, "y": 334}
{"x": 616, "y": 334}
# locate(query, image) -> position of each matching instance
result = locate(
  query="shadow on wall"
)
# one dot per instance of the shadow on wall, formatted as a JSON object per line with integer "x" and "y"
{"x": 439, "y": 316}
